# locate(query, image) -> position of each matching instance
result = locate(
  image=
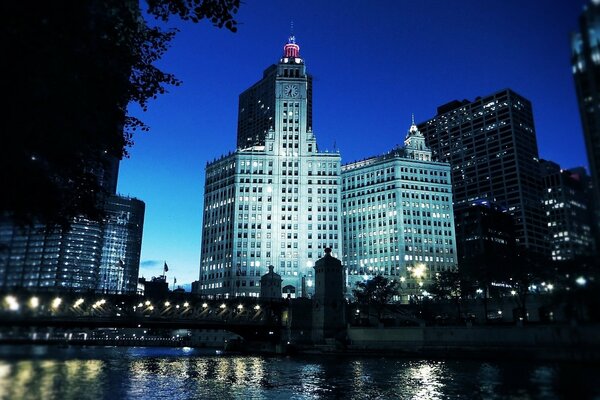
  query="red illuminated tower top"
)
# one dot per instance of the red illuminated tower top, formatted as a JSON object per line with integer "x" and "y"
{"x": 291, "y": 49}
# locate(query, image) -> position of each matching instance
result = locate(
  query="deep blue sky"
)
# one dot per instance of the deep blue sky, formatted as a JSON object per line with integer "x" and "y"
{"x": 374, "y": 63}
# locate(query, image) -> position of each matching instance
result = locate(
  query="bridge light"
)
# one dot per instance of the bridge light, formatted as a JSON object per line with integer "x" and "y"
{"x": 56, "y": 302}
{"x": 257, "y": 307}
{"x": 177, "y": 306}
{"x": 186, "y": 304}
{"x": 102, "y": 301}
{"x": 204, "y": 305}
{"x": 151, "y": 308}
{"x": 78, "y": 302}
{"x": 147, "y": 302}
{"x": 140, "y": 305}
{"x": 34, "y": 302}
{"x": 167, "y": 304}
{"x": 240, "y": 307}
{"x": 223, "y": 305}
{"x": 13, "y": 304}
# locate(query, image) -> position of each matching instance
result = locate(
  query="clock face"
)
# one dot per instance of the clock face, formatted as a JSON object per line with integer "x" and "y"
{"x": 291, "y": 90}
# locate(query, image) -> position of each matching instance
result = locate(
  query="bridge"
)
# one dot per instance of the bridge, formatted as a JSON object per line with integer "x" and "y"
{"x": 249, "y": 317}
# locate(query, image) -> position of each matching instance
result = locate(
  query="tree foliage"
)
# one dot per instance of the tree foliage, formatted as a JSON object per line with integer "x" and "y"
{"x": 72, "y": 68}
{"x": 376, "y": 292}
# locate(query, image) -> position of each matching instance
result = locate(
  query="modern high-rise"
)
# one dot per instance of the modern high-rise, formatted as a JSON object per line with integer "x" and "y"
{"x": 90, "y": 255}
{"x": 41, "y": 258}
{"x": 568, "y": 212}
{"x": 276, "y": 199}
{"x": 121, "y": 245}
{"x": 585, "y": 60}
{"x": 397, "y": 216}
{"x": 491, "y": 146}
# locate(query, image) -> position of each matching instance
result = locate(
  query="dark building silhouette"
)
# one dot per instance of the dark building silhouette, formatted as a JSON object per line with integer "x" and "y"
{"x": 487, "y": 232}
{"x": 567, "y": 202}
{"x": 585, "y": 60}
{"x": 491, "y": 146}
{"x": 155, "y": 288}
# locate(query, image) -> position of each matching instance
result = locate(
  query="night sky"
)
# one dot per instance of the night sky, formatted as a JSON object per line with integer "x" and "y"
{"x": 374, "y": 63}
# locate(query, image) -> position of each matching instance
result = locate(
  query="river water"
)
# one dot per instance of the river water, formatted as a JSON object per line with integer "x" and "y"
{"x": 43, "y": 372}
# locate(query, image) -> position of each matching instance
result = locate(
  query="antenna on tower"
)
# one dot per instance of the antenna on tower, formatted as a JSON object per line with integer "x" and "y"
{"x": 292, "y": 37}
{"x": 413, "y": 118}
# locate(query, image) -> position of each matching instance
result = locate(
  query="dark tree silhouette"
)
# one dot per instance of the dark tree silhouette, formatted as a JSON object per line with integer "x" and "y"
{"x": 451, "y": 285}
{"x": 71, "y": 69}
{"x": 376, "y": 292}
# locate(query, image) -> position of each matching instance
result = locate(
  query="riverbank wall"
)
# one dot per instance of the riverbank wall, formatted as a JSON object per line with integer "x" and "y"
{"x": 540, "y": 342}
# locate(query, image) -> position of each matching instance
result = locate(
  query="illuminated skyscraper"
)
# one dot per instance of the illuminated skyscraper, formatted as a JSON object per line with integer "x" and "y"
{"x": 102, "y": 256}
{"x": 491, "y": 146}
{"x": 275, "y": 200}
{"x": 567, "y": 205}
{"x": 397, "y": 216}
{"x": 121, "y": 245}
{"x": 585, "y": 60}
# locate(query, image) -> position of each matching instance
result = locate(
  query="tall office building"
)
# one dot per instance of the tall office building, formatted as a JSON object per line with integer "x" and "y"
{"x": 491, "y": 146}
{"x": 397, "y": 216}
{"x": 121, "y": 245}
{"x": 91, "y": 255}
{"x": 275, "y": 200}
{"x": 568, "y": 212}
{"x": 38, "y": 258}
{"x": 585, "y": 60}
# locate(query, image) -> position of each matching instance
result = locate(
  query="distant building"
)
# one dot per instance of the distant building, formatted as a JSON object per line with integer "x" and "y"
{"x": 585, "y": 60}
{"x": 121, "y": 245}
{"x": 397, "y": 216}
{"x": 567, "y": 202}
{"x": 275, "y": 200}
{"x": 155, "y": 288}
{"x": 491, "y": 146}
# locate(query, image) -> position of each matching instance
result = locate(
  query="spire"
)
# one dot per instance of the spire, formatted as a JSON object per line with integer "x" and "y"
{"x": 413, "y": 130}
{"x": 291, "y": 49}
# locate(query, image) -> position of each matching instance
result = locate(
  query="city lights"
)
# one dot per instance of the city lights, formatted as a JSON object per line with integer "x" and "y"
{"x": 12, "y": 302}
{"x": 56, "y": 302}
{"x": 34, "y": 302}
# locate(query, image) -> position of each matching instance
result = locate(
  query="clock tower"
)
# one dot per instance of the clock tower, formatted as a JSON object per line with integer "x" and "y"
{"x": 287, "y": 79}
{"x": 275, "y": 201}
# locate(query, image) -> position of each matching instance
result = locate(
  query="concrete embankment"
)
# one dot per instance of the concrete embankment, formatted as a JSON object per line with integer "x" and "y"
{"x": 551, "y": 342}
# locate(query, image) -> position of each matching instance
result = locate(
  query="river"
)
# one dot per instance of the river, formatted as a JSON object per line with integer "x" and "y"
{"x": 47, "y": 372}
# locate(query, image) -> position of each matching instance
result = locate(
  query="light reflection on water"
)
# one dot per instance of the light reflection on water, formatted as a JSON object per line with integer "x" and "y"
{"x": 138, "y": 373}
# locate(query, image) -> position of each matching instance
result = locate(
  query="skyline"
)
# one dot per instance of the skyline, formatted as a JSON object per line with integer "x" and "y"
{"x": 361, "y": 88}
